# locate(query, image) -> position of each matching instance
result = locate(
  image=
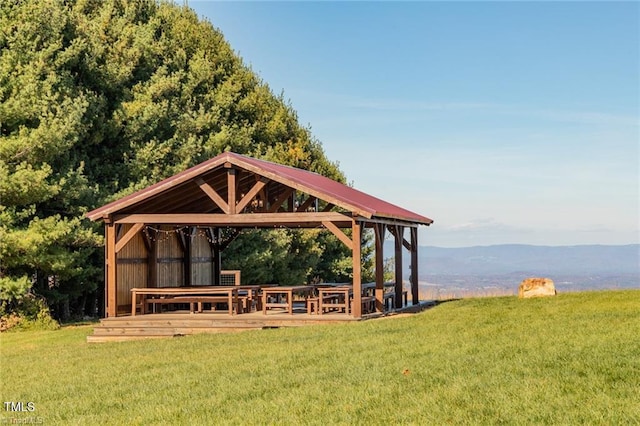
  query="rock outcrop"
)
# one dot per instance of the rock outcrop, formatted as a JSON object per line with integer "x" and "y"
{"x": 536, "y": 287}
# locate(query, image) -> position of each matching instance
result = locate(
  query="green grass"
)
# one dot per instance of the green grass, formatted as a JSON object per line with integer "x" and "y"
{"x": 570, "y": 359}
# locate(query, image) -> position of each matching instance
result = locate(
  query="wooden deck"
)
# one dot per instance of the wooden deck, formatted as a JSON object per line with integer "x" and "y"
{"x": 181, "y": 323}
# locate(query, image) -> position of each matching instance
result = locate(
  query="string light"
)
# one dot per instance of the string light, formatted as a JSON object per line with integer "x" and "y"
{"x": 163, "y": 235}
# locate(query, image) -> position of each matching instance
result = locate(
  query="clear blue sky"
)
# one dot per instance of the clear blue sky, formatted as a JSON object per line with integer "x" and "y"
{"x": 505, "y": 122}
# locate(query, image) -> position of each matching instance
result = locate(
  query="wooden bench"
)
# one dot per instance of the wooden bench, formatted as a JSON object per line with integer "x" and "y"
{"x": 368, "y": 304}
{"x": 334, "y": 301}
{"x": 153, "y": 301}
{"x": 213, "y": 300}
{"x": 331, "y": 298}
{"x": 200, "y": 300}
{"x": 389, "y": 299}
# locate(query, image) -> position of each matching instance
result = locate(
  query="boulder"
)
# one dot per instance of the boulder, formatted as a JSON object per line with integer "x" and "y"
{"x": 536, "y": 287}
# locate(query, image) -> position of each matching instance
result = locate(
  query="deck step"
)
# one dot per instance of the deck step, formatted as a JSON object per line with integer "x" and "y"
{"x": 171, "y": 331}
{"x": 105, "y": 339}
{"x": 178, "y": 324}
{"x": 183, "y": 323}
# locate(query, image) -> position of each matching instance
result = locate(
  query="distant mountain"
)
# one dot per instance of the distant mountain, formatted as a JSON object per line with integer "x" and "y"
{"x": 533, "y": 260}
{"x": 502, "y": 267}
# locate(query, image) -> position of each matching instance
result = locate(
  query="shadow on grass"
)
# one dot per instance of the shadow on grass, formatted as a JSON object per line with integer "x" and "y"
{"x": 440, "y": 302}
{"x": 79, "y": 323}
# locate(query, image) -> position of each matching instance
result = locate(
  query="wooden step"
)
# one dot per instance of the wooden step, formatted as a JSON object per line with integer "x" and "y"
{"x": 105, "y": 339}
{"x": 164, "y": 330}
{"x": 169, "y": 325}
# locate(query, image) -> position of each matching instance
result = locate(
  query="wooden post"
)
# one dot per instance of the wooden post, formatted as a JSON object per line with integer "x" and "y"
{"x": 106, "y": 271}
{"x": 111, "y": 265}
{"x": 215, "y": 245}
{"x": 217, "y": 259}
{"x": 186, "y": 252}
{"x": 414, "y": 266}
{"x": 357, "y": 272}
{"x": 292, "y": 202}
{"x": 152, "y": 257}
{"x": 399, "y": 235}
{"x": 231, "y": 190}
{"x": 379, "y": 229}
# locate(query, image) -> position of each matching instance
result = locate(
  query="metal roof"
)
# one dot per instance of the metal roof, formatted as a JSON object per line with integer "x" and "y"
{"x": 178, "y": 194}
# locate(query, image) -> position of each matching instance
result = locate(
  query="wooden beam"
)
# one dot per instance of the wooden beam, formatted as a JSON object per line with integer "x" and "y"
{"x": 398, "y": 232}
{"x": 264, "y": 197}
{"x": 304, "y": 188}
{"x": 357, "y": 270}
{"x": 111, "y": 274}
{"x": 281, "y": 199}
{"x": 414, "y": 267}
{"x": 328, "y": 207}
{"x": 217, "y": 258}
{"x": 291, "y": 202}
{"x": 215, "y": 197}
{"x": 128, "y": 236}
{"x": 379, "y": 230}
{"x": 406, "y": 243}
{"x": 388, "y": 221}
{"x": 152, "y": 258}
{"x": 338, "y": 233}
{"x": 146, "y": 240}
{"x": 252, "y": 193}
{"x": 231, "y": 190}
{"x": 235, "y": 220}
{"x": 184, "y": 240}
{"x": 304, "y": 206}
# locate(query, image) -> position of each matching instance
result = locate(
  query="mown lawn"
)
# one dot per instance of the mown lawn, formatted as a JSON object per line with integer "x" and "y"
{"x": 571, "y": 359}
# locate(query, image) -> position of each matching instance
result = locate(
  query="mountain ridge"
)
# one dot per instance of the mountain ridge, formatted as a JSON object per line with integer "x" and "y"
{"x": 510, "y": 258}
{"x": 589, "y": 266}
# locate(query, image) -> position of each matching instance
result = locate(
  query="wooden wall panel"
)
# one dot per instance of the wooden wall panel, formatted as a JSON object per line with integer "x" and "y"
{"x": 132, "y": 269}
{"x": 201, "y": 260}
{"x": 170, "y": 267}
{"x": 129, "y": 276}
{"x": 135, "y": 248}
{"x": 201, "y": 274}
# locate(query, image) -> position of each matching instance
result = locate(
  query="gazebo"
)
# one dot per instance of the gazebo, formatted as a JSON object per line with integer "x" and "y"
{"x": 148, "y": 233}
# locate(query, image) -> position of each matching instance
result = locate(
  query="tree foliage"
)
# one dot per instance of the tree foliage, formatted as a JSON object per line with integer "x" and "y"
{"x": 102, "y": 98}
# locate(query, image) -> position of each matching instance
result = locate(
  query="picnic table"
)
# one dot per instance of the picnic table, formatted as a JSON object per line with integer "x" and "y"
{"x": 283, "y": 296}
{"x": 191, "y": 295}
{"x": 250, "y": 296}
{"x": 334, "y": 298}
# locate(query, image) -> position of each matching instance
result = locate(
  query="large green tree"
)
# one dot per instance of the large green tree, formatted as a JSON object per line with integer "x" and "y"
{"x": 99, "y": 98}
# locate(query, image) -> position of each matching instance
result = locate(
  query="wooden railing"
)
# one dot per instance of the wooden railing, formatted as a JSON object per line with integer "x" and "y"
{"x": 229, "y": 277}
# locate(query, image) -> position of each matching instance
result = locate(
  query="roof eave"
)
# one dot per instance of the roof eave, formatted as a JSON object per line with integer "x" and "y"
{"x": 157, "y": 188}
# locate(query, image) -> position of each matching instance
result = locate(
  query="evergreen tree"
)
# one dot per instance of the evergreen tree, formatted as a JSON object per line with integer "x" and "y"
{"x": 102, "y": 98}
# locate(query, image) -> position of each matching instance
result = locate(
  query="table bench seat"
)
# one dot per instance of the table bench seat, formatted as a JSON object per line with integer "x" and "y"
{"x": 334, "y": 301}
{"x": 192, "y": 300}
{"x": 368, "y": 304}
{"x": 389, "y": 299}
{"x": 284, "y": 297}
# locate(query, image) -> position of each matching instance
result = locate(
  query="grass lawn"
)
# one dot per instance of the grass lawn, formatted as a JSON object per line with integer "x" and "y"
{"x": 570, "y": 359}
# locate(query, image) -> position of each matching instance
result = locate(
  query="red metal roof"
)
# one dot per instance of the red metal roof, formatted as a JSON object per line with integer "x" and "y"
{"x": 311, "y": 183}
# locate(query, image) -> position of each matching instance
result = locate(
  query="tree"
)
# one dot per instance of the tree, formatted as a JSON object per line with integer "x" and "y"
{"x": 43, "y": 191}
{"x": 102, "y": 98}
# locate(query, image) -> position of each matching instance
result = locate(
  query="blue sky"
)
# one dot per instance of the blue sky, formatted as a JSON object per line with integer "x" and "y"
{"x": 505, "y": 122}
